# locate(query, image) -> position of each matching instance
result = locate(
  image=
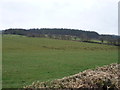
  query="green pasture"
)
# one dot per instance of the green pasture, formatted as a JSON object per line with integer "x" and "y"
{"x": 27, "y": 59}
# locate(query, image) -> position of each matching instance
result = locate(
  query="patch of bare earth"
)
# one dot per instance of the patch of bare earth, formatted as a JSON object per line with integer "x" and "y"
{"x": 105, "y": 78}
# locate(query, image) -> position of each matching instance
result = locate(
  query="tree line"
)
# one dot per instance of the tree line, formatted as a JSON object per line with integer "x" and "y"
{"x": 65, "y": 34}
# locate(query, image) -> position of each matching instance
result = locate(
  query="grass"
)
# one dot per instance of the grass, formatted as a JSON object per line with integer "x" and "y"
{"x": 27, "y": 59}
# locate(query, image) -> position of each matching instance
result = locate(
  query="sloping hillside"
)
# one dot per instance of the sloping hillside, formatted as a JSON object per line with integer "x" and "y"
{"x": 28, "y": 59}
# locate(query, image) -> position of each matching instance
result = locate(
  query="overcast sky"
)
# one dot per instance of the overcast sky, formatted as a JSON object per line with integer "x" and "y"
{"x": 92, "y": 15}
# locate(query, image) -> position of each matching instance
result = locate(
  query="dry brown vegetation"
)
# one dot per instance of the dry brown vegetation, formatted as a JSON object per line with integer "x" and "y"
{"x": 106, "y": 78}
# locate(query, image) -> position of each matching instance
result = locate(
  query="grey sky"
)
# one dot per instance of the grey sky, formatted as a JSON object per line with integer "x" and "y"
{"x": 92, "y": 15}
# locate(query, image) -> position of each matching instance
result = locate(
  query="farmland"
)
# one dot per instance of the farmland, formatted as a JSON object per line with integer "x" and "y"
{"x": 28, "y": 59}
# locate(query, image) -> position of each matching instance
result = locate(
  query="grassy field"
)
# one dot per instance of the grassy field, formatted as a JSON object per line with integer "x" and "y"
{"x": 27, "y": 59}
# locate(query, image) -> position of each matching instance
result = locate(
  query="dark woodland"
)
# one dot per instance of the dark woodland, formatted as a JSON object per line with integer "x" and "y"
{"x": 66, "y": 34}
